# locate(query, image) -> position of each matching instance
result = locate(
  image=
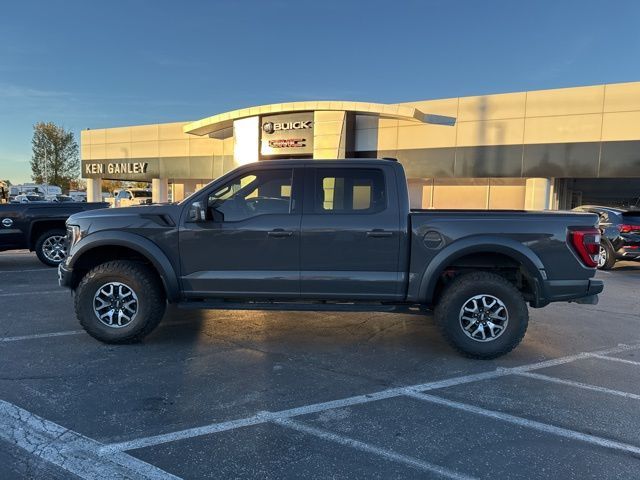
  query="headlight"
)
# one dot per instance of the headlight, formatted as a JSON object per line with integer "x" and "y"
{"x": 73, "y": 234}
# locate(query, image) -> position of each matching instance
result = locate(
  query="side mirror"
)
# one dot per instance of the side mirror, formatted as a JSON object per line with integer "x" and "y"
{"x": 197, "y": 212}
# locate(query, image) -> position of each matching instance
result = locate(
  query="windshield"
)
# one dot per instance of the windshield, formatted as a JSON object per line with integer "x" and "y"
{"x": 141, "y": 194}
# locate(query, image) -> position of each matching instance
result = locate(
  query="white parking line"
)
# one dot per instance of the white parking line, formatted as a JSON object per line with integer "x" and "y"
{"x": 40, "y": 335}
{"x": 615, "y": 359}
{"x": 524, "y": 422}
{"x": 365, "y": 447}
{"x": 69, "y": 450}
{"x": 29, "y": 270}
{"x": 64, "y": 333}
{"x": 45, "y": 292}
{"x": 585, "y": 386}
{"x": 345, "y": 402}
{"x": 183, "y": 434}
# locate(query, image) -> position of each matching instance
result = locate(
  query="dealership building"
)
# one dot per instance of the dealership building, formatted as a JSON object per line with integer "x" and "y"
{"x": 526, "y": 150}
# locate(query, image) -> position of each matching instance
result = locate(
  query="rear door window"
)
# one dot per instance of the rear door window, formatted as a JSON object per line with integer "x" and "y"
{"x": 353, "y": 191}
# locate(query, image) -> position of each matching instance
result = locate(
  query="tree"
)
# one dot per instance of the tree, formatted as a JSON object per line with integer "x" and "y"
{"x": 112, "y": 185}
{"x": 139, "y": 185}
{"x": 57, "y": 147}
{"x": 78, "y": 184}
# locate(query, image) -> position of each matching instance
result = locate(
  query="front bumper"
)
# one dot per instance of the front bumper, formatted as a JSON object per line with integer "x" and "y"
{"x": 64, "y": 276}
{"x": 581, "y": 291}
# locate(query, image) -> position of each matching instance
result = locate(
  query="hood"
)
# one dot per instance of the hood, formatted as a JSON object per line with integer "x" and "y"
{"x": 126, "y": 214}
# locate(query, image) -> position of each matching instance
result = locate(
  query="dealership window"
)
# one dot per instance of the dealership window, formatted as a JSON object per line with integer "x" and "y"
{"x": 349, "y": 191}
{"x": 257, "y": 193}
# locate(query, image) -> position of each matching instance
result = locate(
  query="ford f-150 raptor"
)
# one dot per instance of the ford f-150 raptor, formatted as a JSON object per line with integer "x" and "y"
{"x": 327, "y": 235}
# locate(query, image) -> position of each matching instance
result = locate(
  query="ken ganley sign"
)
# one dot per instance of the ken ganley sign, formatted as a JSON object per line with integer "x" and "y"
{"x": 115, "y": 168}
{"x": 288, "y": 134}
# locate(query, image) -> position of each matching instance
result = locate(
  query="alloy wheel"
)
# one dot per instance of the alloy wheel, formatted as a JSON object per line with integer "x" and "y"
{"x": 602, "y": 259}
{"x": 483, "y": 318}
{"x": 115, "y": 304}
{"x": 54, "y": 248}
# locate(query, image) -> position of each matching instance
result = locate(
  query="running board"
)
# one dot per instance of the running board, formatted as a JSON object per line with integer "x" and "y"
{"x": 303, "y": 306}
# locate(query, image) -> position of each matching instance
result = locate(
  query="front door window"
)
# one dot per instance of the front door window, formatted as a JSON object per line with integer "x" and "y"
{"x": 257, "y": 193}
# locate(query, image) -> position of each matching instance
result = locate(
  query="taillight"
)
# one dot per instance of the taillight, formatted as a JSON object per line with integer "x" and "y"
{"x": 586, "y": 243}
{"x": 625, "y": 228}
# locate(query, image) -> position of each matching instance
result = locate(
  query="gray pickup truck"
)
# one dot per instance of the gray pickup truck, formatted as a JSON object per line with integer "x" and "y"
{"x": 327, "y": 235}
{"x": 39, "y": 227}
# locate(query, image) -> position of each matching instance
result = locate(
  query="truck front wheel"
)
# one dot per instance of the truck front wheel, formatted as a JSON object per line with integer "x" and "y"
{"x": 51, "y": 248}
{"x": 120, "y": 302}
{"x": 482, "y": 315}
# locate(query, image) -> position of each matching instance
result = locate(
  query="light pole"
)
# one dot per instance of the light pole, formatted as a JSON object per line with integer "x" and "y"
{"x": 45, "y": 176}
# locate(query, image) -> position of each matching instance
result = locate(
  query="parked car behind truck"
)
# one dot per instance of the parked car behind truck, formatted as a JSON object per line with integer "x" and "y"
{"x": 333, "y": 236}
{"x": 620, "y": 229}
{"x": 39, "y": 226}
{"x": 132, "y": 196}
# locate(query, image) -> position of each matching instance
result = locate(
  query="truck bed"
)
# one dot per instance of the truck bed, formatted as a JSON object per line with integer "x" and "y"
{"x": 435, "y": 232}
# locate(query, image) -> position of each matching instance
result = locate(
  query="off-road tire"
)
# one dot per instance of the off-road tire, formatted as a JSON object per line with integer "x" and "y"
{"x": 611, "y": 255}
{"x": 466, "y": 286}
{"x": 40, "y": 243}
{"x": 139, "y": 278}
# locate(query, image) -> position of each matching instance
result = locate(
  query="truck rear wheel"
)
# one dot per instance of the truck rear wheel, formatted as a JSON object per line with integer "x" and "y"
{"x": 51, "y": 248}
{"x": 482, "y": 315}
{"x": 607, "y": 258}
{"x": 120, "y": 302}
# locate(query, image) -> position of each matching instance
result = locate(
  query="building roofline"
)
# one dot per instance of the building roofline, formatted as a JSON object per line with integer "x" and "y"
{"x": 225, "y": 120}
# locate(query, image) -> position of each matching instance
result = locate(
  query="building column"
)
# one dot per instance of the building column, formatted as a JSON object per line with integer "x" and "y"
{"x": 190, "y": 186}
{"x": 329, "y": 134}
{"x": 246, "y": 140}
{"x": 94, "y": 189}
{"x": 553, "y": 194}
{"x": 537, "y": 194}
{"x": 159, "y": 190}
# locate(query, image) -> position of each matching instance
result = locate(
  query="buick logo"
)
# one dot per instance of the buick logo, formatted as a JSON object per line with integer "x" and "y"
{"x": 271, "y": 127}
{"x": 7, "y": 222}
{"x": 268, "y": 127}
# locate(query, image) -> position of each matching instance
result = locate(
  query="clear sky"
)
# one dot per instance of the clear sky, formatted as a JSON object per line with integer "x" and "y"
{"x": 92, "y": 64}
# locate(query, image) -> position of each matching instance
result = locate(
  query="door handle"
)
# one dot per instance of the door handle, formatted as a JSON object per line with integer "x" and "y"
{"x": 279, "y": 233}
{"x": 379, "y": 233}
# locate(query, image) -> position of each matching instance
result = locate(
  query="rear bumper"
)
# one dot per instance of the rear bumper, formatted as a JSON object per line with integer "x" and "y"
{"x": 628, "y": 253}
{"x": 568, "y": 291}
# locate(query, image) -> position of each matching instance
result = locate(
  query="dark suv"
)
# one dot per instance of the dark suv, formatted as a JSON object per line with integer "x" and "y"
{"x": 620, "y": 234}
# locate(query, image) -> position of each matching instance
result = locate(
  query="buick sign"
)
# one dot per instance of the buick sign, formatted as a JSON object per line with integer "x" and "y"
{"x": 286, "y": 134}
{"x": 271, "y": 127}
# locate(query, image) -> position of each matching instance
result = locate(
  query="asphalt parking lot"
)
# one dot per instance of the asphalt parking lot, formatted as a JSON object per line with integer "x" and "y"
{"x": 315, "y": 395}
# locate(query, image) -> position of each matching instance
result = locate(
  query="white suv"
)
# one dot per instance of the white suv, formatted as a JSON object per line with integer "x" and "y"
{"x": 133, "y": 196}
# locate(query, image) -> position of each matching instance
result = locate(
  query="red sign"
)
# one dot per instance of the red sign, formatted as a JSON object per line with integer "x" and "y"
{"x": 288, "y": 143}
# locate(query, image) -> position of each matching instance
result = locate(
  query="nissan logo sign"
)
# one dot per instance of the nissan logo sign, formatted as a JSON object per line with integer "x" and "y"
{"x": 7, "y": 222}
{"x": 271, "y": 127}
